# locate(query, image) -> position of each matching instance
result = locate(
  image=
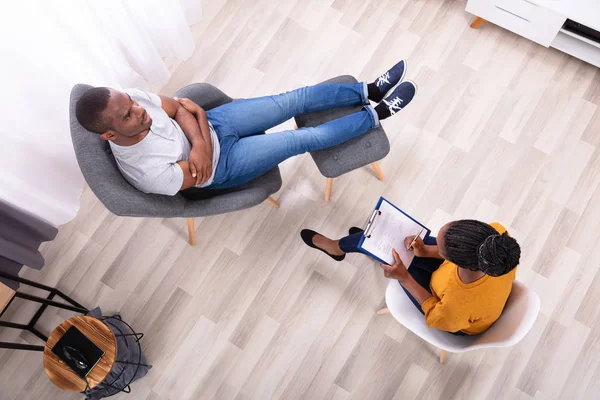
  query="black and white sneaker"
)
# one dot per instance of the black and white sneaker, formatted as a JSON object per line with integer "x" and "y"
{"x": 387, "y": 81}
{"x": 397, "y": 100}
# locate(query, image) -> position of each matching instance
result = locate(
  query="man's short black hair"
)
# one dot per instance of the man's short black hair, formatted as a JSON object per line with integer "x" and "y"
{"x": 89, "y": 110}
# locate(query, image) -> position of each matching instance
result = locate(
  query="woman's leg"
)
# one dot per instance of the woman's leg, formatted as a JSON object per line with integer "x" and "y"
{"x": 426, "y": 263}
{"x": 252, "y": 156}
{"x": 420, "y": 269}
{"x": 423, "y": 278}
{"x": 251, "y": 116}
{"x": 349, "y": 244}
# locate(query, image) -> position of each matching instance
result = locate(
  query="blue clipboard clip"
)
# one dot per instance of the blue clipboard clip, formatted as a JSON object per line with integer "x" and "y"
{"x": 374, "y": 215}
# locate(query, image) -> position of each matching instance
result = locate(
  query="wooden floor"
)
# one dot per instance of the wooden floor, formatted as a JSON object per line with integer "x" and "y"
{"x": 501, "y": 130}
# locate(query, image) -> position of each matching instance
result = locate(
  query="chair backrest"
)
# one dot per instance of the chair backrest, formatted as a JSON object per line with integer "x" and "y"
{"x": 518, "y": 316}
{"x": 101, "y": 173}
{"x": 100, "y": 169}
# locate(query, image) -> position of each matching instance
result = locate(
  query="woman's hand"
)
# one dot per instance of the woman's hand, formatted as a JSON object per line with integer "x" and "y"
{"x": 396, "y": 271}
{"x": 419, "y": 248}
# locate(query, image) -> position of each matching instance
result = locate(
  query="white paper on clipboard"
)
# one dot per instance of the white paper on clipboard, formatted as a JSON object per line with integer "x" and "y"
{"x": 388, "y": 232}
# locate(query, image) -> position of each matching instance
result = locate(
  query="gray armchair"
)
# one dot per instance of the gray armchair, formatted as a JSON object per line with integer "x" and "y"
{"x": 100, "y": 171}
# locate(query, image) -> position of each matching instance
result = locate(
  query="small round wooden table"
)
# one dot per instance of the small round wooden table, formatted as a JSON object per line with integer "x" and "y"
{"x": 99, "y": 333}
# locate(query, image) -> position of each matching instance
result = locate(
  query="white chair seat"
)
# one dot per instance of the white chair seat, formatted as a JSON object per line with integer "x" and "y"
{"x": 518, "y": 317}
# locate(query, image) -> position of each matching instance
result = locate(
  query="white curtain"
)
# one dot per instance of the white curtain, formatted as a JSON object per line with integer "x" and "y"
{"x": 46, "y": 47}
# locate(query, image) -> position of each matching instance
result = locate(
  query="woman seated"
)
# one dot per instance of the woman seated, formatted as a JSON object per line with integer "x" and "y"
{"x": 459, "y": 281}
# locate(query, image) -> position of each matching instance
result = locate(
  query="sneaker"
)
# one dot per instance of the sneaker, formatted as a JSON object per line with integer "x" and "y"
{"x": 389, "y": 80}
{"x": 397, "y": 100}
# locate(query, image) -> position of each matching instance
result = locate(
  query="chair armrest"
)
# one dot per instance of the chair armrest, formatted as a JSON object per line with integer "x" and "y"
{"x": 204, "y": 94}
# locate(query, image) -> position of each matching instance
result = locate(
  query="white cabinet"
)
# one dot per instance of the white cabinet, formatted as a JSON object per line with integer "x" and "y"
{"x": 522, "y": 17}
{"x": 542, "y": 20}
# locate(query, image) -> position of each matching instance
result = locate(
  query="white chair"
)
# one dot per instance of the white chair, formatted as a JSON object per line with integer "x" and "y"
{"x": 519, "y": 314}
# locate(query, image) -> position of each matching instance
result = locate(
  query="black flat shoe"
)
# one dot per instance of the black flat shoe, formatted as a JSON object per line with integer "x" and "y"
{"x": 354, "y": 230}
{"x": 307, "y": 236}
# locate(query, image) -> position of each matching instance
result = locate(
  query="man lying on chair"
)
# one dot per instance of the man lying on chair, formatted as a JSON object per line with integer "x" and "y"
{"x": 164, "y": 145}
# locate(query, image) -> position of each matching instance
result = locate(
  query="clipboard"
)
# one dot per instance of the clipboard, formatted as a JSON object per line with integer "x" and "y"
{"x": 391, "y": 231}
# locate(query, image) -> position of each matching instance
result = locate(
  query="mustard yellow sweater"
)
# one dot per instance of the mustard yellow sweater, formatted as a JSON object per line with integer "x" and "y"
{"x": 467, "y": 307}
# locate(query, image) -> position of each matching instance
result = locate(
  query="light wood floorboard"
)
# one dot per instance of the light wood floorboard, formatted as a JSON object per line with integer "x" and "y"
{"x": 501, "y": 130}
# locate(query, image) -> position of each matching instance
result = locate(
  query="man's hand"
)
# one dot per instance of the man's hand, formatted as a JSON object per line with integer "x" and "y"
{"x": 396, "y": 271}
{"x": 200, "y": 163}
{"x": 418, "y": 247}
{"x": 188, "y": 104}
{"x": 200, "y": 159}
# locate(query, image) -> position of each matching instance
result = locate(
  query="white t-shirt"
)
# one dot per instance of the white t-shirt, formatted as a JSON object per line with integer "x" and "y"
{"x": 151, "y": 164}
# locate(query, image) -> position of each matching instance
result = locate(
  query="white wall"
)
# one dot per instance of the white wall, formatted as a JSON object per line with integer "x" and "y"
{"x": 46, "y": 47}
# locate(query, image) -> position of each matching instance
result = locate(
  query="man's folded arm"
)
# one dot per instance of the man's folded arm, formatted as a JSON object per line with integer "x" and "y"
{"x": 168, "y": 179}
{"x": 188, "y": 179}
{"x": 195, "y": 127}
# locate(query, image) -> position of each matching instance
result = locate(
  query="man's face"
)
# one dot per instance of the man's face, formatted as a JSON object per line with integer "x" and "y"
{"x": 127, "y": 118}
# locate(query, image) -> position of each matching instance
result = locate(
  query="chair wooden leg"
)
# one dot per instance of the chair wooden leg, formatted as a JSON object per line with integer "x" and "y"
{"x": 273, "y": 202}
{"x": 478, "y": 22}
{"x": 378, "y": 171}
{"x": 443, "y": 355}
{"x": 383, "y": 311}
{"x": 328, "y": 187}
{"x": 191, "y": 231}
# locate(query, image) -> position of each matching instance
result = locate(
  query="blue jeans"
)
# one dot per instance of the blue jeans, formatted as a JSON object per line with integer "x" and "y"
{"x": 421, "y": 268}
{"x": 245, "y": 155}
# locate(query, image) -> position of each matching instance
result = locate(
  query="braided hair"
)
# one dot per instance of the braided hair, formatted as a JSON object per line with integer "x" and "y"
{"x": 477, "y": 246}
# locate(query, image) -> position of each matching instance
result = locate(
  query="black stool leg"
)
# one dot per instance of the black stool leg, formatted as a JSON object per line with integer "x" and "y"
{"x": 70, "y": 300}
{"x": 138, "y": 336}
{"x": 38, "y": 334}
{"x": 19, "y": 346}
{"x": 13, "y": 325}
{"x": 48, "y": 302}
{"x": 23, "y": 327}
{"x": 55, "y": 291}
{"x": 45, "y": 302}
{"x": 131, "y": 363}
